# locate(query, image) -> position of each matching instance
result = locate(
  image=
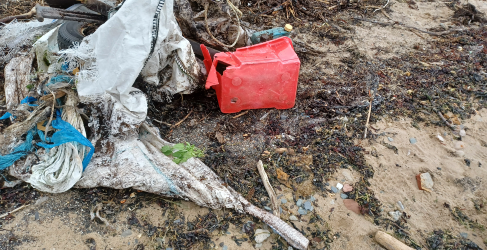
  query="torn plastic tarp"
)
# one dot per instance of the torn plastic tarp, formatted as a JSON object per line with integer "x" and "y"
{"x": 20, "y": 151}
{"x": 67, "y": 133}
{"x": 113, "y": 56}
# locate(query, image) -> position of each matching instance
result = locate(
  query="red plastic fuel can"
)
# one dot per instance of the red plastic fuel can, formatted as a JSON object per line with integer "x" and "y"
{"x": 260, "y": 76}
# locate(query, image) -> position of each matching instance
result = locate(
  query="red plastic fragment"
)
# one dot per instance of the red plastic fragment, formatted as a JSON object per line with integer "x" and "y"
{"x": 260, "y": 76}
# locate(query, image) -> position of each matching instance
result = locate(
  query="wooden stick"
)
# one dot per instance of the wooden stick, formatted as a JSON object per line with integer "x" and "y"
{"x": 243, "y": 113}
{"x": 179, "y": 123}
{"x": 27, "y": 15}
{"x": 368, "y": 118}
{"x": 389, "y": 242}
{"x": 13, "y": 211}
{"x": 268, "y": 187}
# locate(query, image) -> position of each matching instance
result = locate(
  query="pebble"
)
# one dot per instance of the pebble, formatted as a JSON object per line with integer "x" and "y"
{"x": 438, "y": 168}
{"x": 126, "y": 233}
{"x": 390, "y": 139}
{"x": 312, "y": 198}
{"x": 464, "y": 235}
{"x": 401, "y": 206}
{"x": 332, "y": 202}
{"x": 460, "y": 153}
{"x": 293, "y": 218}
{"x": 279, "y": 196}
{"x": 334, "y": 190}
{"x": 426, "y": 181}
{"x": 307, "y": 205}
{"x": 225, "y": 247}
{"x": 302, "y": 211}
{"x": 467, "y": 161}
{"x": 222, "y": 244}
{"x": 283, "y": 201}
{"x": 36, "y": 215}
{"x": 343, "y": 196}
{"x": 169, "y": 248}
{"x": 347, "y": 188}
{"x": 267, "y": 208}
{"x": 463, "y": 133}
{"x": 177, "y": 221}
{"x": 339, "y": 186}
{"x": 299, "y": 202}
{"x": 412, "y": 140}
{"x": 395, "y": 215}
{"x": 327, "y": 184}
{"x": 261, "y": 235}
{"x": 41, "y": 200}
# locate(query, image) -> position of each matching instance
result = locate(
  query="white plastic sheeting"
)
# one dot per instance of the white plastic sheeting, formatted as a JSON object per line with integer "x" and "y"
{"x": 113, "y": 57}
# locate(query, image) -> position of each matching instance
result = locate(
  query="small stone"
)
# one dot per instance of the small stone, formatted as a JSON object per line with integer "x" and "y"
{"x": 438, "y": 168}
{"x": 41, "y": 200}
{"x": 334, "y": 190}
{"x": 425, "y": 182}
{"x": 343, "y": 196}
{"x": 390, "y": 139}
{"x": 332, "y": 202}
{"x": 339, "y": 186}
{"x": 460, "y": 153}
{"x": 280, "y": 210}
{"x": 412, "y": 140}
{"x": 283, "y": 201}
{"x": 267, "y": 208}
{"x": 169, "y": 248}
{"x": 261, "y": 235}
{"x": 467, "y": 161}
{"x": 126, "y": 233}
{"x": 464, "y": 235}
{"x": 225, "y": 247}
{"x": 396, "y": 215}
{"x": 293, "y": 218}
{"x": 302, "y": 211}
{"x": 307, "y": 205}
{"x": 327, "y": 184}
{"x": 279, "y": 196}
{"x": 177, "y": 221}
{"x": 222, "y": 244}
{"x": 463, "y": 133}
{"x": 347, "y": 188}
{"x": 36, "y": 215}
{"x": 299, "y": 203}
{"x": 280, "y": 150}
{"x": 401, "y": 206}
{"x": 312, "y": 198}
{"x": 352, "y": 205}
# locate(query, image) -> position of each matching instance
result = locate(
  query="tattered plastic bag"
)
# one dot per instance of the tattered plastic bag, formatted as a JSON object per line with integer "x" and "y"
{"x": 141, "y": 33}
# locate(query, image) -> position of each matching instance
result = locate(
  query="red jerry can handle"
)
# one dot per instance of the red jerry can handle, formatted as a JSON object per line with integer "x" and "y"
{"x": 212, "y": 79}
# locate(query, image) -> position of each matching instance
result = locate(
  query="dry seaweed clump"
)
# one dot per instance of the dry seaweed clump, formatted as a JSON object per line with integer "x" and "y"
{"x": 444, "y": 240}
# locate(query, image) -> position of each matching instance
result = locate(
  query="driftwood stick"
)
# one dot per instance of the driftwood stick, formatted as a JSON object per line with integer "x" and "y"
{"x": 268, "y": 187}
{"x": 13, "y": 211}
{"x": 27, "y": 15}
{"x": 389, "y": 242}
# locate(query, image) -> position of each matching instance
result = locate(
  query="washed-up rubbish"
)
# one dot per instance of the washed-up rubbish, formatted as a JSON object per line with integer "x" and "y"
{"x": 17, "y": 79}
{"x": 425, "y": 182}
{"x": 271, "y": 34}
{"x": 255, "y": 77}
{"x": 55, "y": 13}
{"x": 142, "y": 37}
